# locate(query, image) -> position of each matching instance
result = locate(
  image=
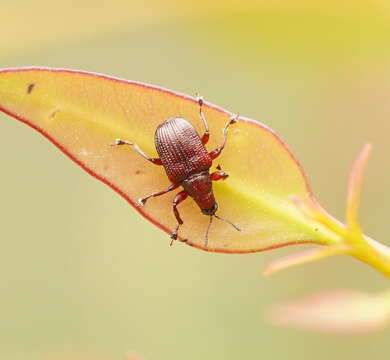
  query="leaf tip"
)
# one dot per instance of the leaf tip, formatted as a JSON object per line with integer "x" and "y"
{"x": 303, "y": 257}
{"x": 355, "y": 188}
{"x": 343, "y": 312}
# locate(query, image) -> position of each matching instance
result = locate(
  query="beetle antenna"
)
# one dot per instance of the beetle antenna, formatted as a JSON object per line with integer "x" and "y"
{"x": 229, "y": 222}
{"x": 206, "y": 236}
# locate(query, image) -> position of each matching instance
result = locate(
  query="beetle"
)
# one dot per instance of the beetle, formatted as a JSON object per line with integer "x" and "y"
{"x": 186, "y": 161}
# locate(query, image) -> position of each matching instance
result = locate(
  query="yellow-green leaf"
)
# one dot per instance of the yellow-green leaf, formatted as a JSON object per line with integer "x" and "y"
{"x": 82, "y": 113}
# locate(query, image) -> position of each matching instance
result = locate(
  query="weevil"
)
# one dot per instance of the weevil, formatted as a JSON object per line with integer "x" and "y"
{"x": 187, "y": 163}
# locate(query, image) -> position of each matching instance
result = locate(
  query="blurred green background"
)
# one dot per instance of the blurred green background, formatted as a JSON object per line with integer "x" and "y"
{"x": 83, "y": 276}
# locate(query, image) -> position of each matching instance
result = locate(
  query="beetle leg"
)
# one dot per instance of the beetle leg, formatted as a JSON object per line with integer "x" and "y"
{"x": 215, "y": 153}
{"x": 142, "y": 201}
{"x": 206, "y": 135}
{"x": 118, "y": 142}
{"x": 218, "y": 175}
{"x": 181, "y": 196}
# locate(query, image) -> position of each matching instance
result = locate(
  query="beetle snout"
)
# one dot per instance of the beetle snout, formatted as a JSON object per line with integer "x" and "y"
{"x": 210, "y": 211}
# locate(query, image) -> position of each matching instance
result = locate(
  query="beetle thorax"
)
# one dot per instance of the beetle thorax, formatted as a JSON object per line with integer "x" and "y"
{"x": 199, "y": 187}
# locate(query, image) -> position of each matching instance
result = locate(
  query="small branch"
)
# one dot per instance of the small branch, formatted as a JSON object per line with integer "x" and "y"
{"x": 373, "y": 253}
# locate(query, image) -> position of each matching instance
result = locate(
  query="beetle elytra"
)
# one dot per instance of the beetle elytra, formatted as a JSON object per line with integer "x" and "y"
{"x": 186, "y": 161}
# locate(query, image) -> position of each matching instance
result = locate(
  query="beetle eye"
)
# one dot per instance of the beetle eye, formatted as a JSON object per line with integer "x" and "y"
{"x": 215, "y": 208}
{"x": 210, "y": 211}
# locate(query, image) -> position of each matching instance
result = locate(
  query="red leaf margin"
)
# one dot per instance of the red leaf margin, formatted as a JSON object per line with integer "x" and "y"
{"x": 119, "y": 191}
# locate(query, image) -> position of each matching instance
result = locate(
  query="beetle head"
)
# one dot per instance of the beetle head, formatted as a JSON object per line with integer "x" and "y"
{"x": 210, "y": 211}
{"x": 199, "y": 187}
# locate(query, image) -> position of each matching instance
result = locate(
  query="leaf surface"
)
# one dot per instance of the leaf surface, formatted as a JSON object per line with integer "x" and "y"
{"x": 344, "y": 312}
{"x": 82, "y": 113}
{"x": 304, "y": 257}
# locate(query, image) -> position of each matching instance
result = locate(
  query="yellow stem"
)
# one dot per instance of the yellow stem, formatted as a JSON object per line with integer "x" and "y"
{"x": 372, "y": 253}
{"x": 360, "y": 246}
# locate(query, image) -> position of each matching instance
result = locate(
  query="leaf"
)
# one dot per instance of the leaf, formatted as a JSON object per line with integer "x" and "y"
{"x": 82, "y": 113}
{"x": 355, "y": 189}
{"x": 304, "y": 257}
{"x": 344, "y": 312}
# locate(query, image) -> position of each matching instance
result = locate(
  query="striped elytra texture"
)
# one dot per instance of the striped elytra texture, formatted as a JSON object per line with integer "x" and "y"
{"x": 180, "y": 149}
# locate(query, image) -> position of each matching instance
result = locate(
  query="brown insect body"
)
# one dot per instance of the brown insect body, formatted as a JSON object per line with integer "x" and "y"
{"x": 186, "y": 161}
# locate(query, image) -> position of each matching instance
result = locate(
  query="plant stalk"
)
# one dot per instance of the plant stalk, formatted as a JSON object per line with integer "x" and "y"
{"x": 373, "y": 253}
